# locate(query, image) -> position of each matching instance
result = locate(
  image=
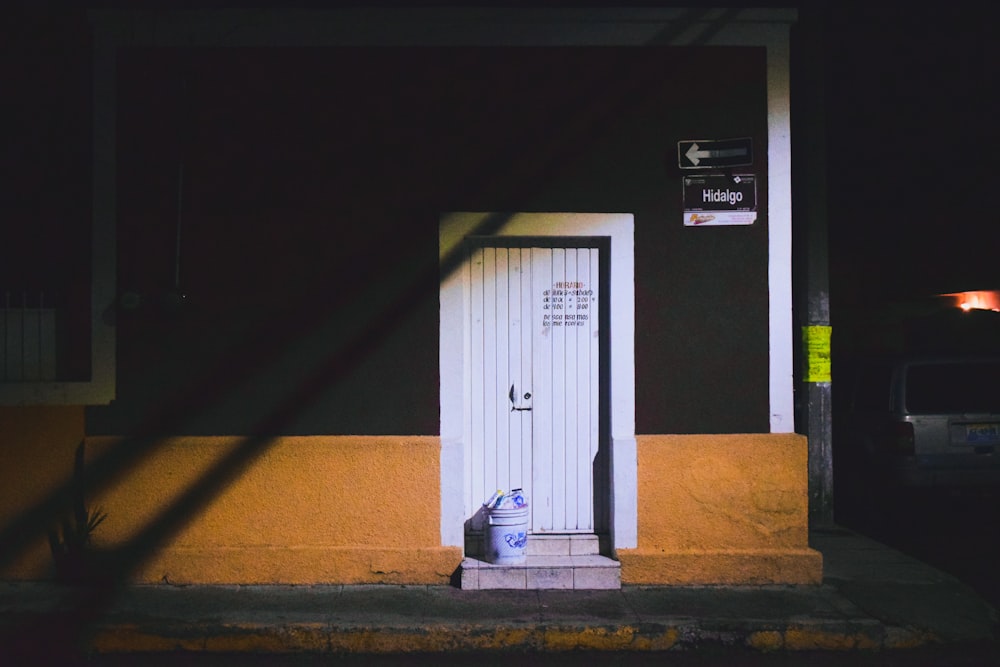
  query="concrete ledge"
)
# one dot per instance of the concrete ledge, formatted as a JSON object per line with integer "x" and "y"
{"x": 301, "y": 565}
{"x": 701, "y": 567}
{"x": 879, "y": 600}
{"x": 680, "y": 634}
{"x": 375, "y": 640}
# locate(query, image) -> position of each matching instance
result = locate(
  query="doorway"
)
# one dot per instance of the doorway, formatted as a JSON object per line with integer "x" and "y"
{"x": 537, "y": 391}
{"x": 480, "y": 400}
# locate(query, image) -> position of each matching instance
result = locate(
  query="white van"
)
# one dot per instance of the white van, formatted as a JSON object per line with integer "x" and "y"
{"x": 923, "y": 421}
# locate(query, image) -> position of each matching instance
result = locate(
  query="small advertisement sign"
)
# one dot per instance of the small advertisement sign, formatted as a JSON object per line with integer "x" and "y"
{"x": 816, "y": 340}
{"x": 719, "y": 199}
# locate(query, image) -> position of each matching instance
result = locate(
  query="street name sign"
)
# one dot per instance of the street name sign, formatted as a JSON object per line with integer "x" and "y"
{"x": 715, "y": 153}
{"x": 719, "y": 199}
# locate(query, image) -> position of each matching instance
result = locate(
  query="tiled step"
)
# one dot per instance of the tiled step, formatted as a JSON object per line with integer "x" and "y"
{"x": 583, "y": 544}
{"x": 581, "y": 572}
{"x": 564, "y": 545}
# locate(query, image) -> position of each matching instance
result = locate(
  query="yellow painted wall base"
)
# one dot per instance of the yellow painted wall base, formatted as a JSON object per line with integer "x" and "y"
{"x": 712, "y": 509}
{"x": 649, "y": 566}
{"x": 284, "y": 510}
{"x": 291, "y": 510}
{"x": 722, "y": 509}
{"x": 301, "y": 565}
{"x": 37, "y": 446}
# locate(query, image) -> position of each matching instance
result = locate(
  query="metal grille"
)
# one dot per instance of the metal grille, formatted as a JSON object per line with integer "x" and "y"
{"x": 27, "y": 339}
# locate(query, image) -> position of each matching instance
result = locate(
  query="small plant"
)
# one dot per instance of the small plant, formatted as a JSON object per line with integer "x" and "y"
{"x": 70, "y": 542}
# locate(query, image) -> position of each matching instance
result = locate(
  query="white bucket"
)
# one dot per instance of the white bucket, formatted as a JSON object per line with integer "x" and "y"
{"x": 507, "y": 535}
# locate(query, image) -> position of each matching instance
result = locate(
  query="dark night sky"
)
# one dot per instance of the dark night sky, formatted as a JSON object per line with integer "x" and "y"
{"x": 912, "y": 107}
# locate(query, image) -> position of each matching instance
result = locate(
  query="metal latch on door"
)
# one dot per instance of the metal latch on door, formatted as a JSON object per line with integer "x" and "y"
{"x": 513, "y": 402}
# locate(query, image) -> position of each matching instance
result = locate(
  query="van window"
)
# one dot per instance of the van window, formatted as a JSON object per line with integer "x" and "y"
{"x": 953, "y": 388}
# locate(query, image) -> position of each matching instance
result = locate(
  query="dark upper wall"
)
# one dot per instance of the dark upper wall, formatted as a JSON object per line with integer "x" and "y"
{"x": 45, "y": 187}
{"x": 312, "y": 185}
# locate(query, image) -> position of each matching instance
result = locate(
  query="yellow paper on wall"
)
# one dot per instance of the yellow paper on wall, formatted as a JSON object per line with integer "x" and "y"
{"x": 816, "y": 340}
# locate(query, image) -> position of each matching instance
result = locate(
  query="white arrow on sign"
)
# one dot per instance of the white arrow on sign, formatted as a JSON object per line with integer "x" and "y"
{"x": 696, "y": 156}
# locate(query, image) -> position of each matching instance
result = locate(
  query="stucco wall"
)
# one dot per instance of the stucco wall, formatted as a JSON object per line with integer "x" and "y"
{"x": 722, "y": 509}
{"x": 713, "y": 509}
{"x": 37, "y": 445}
{"x": 233, "y": 510}
{"x": 339, "y": 509}
{"x": 307, "y": 267}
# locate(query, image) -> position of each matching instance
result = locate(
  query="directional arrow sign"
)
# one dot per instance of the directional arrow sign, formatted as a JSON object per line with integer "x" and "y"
{"x": 714, "y": 153}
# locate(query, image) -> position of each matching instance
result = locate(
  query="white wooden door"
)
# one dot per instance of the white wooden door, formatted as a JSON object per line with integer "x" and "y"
{"x": 535, "y": 385}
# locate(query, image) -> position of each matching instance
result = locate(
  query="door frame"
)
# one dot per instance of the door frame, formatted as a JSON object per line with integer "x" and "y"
{"x": 455, "y": 354}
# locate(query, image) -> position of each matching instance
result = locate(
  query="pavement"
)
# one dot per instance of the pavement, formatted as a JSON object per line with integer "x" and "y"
{"x": 873, "y": 598}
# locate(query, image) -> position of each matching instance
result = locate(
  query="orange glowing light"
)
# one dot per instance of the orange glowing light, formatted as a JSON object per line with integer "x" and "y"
{"x": 978, "y": 300}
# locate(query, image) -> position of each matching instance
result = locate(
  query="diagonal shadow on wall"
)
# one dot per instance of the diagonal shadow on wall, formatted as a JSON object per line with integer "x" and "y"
{"x": 567, "y": 142}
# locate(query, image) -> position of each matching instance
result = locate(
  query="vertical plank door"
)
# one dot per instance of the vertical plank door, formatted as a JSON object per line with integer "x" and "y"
{"x": 535, "y": 382}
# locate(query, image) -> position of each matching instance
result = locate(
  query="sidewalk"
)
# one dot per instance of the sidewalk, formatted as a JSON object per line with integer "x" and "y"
{"x": 872, "y": 598}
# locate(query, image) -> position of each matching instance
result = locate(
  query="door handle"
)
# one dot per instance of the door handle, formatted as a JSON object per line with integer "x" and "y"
{"x": 513, "y": 402}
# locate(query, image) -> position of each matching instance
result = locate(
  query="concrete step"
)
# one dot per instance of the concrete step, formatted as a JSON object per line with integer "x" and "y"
{"x": 580, "y": 572}
{"x": 563, "y": 544}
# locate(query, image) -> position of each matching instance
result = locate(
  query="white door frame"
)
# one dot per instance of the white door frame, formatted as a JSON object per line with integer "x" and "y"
{"x": 455, "y": 357}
